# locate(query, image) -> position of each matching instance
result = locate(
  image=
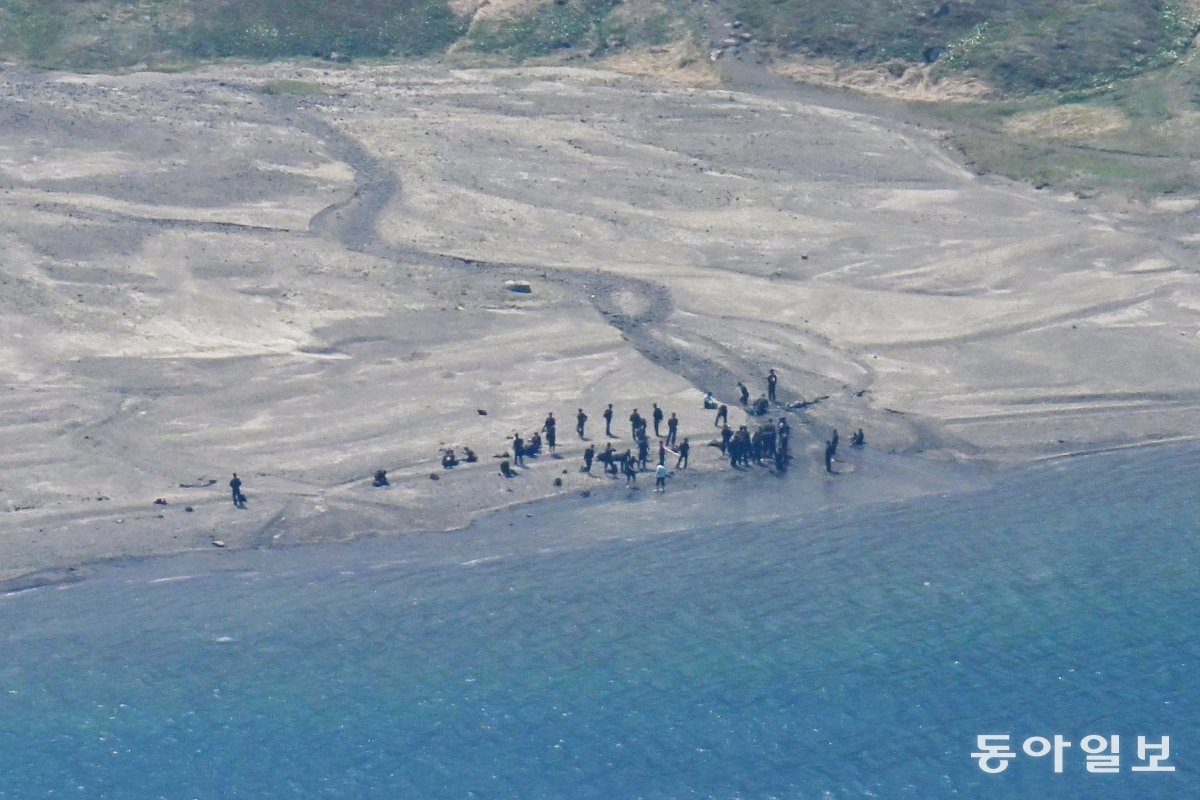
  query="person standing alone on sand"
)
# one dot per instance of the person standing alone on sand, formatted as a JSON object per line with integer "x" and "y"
{"x": 608, "y": 420}
{"x": 744, "y": 392}
{"x": 549, "y": 427}
{"x": 580, "y": 421}
{"x": 672, "y": 429}
{"x": 722, "y": 416}
{"x": 236, "y": 486}
{"x": 772, "y": 379}
{"x": 657, "y": 416}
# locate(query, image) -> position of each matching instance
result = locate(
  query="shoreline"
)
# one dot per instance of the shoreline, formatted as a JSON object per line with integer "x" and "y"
{"x": 625, "y": 506}
{"x": 721, "y": 503}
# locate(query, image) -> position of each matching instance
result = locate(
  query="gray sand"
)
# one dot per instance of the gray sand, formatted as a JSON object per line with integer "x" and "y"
{"x": 200, "y": 278}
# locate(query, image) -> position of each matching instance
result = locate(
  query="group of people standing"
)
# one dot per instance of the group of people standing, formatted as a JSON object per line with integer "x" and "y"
{"x": 769, "y": 442}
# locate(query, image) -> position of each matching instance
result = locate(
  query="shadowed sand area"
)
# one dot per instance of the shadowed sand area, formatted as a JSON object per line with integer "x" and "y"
{"x": 200, "y": 277}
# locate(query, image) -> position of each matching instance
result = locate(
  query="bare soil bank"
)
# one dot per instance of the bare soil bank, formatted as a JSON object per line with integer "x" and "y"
{"x": 200, "y": 277}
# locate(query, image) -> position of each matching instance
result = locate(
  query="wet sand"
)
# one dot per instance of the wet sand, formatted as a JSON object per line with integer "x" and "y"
{"x": 201, "y": 278}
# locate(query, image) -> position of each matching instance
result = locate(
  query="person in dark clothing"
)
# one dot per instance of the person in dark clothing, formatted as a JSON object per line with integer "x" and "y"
{"x": 858, "y": 439}
{"x": 657, "y": 416}
{"x": 768, "y": 440}
{"x": 643, "y": 451}
{"x": 739, "y": 447}
{"x": 469, "y": 455}
{"x": 588, "y": 454}
{"x": 635, "y": 422}
{"x": 745, "y": 393}
{"x": 627, "y": 466}
{"x": 761, "y": 405}
{"x": 235, "y": 486}
{"x": 784, "y": 428}
{"x": 662, "y": 452}
{"x": 772, "y": 379}
{"x": 830, "y": 449}
{"x": 608, "y": 414}
{"x": 672, "y": 429}
{"x": 709, "y": 402}
{"x": 380, "y": 478}
{"x": 834, "y": 441}
{"x": 684, "y": 449}
{"x": 726, "y": 435}
{"x": 449, "y": 459}
{"x": 609, "y": 459}
{"x": 550, "y": 427}
{"x": 518, "y": 445}
{"x": 722, "y": 416}
{"x": 580, "y": 421}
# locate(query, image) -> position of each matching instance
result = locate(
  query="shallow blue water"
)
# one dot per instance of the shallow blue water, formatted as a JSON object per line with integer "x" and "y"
{"x": 835, "y": 654}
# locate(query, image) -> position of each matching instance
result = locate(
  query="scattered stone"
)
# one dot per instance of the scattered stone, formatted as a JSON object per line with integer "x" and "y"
{"x": 188, "y": 509}
{"x": 481, "y": 412}
{"x": 521, "y": 287}
{"x": 558, "y": 481}
{"x": 160, "y": 502}
{"x": 218, "y": 543}
{"x": 433, "y": 476}
{"x": 586, "y": 493}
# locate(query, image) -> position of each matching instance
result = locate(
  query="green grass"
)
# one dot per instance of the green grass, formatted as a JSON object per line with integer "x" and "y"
{"x": 549, "y": 27}
{"x": 1021, "y": 46}
{"x": 271, "y": 29}
{"x": 1132, "y": 56}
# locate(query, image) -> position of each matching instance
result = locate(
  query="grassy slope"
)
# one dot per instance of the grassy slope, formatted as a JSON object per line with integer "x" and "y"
{"x": 1122, "y": 69}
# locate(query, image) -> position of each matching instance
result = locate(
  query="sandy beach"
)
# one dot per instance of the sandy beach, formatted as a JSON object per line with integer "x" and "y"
{"x": 202, "y": 275}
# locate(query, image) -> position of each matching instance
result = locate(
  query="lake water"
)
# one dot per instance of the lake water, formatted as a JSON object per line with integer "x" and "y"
{"x": 829, "y": 654}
